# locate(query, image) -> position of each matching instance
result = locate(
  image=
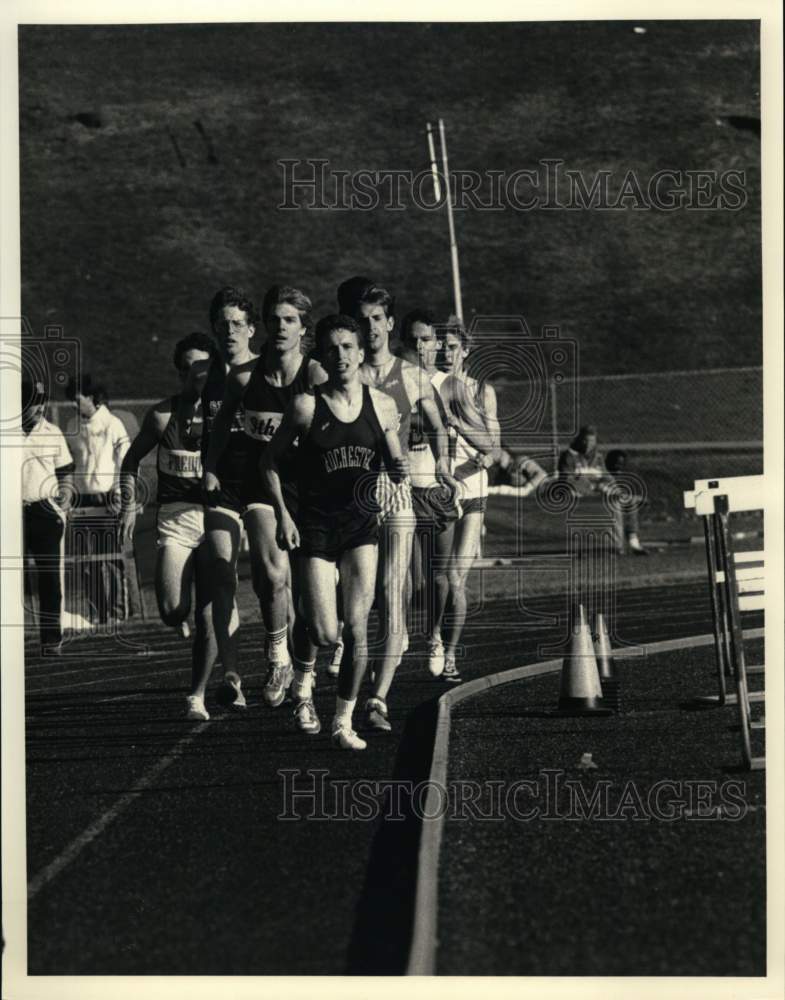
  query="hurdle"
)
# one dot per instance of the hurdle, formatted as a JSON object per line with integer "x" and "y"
{"x": 736, "y": 584}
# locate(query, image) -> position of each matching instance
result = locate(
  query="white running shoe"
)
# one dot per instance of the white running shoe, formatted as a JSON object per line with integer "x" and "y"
{"x": 277, "y": 684}
{"x": 230, "y": 693}
{"x": 345, "y": 738}
{"x": 196, "y": 709}
{"x": 305, "y": 717}
{"x": 334, "y": 667}
{"x": 451, "y": 674}
{"x": 183, "y": 630}
{"x": 436, "y": 657}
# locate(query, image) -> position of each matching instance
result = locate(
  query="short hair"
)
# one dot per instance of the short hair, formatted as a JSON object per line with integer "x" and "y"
{"x": 231, "y": 296}
{"x": 85, "y": 386}
{"x": 350, "y": 292}
{"x": 193, "y": 342}
{"x": 457, "y": 329}
{"x": 279, "y": 294}
{"x": 337, "y": 321}
{"x": 423, "y": 316}
{"x": 377, "y": 296}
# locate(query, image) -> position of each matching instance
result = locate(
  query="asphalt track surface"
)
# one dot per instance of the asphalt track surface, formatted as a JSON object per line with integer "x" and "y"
{"x": 154, "y": 843}
{"x": 605, "y": 869}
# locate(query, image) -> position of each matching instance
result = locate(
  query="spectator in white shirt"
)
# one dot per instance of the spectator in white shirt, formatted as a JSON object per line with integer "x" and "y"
{"x": 47, "y": 482}
{"x": 99, "y": 441}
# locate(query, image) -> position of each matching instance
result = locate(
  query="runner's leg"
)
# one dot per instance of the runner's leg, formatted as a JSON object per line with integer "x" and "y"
{"x": 395, "y": 551}
{"x": 465, "y": 547}
{"x": 224, "y": 532}
{"x": 205, "y": 647}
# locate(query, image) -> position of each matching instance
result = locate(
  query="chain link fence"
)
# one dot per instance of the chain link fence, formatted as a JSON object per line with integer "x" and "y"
{"x": 675, "y": 426}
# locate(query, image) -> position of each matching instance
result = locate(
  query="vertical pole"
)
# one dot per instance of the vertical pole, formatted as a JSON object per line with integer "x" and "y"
{"x": 714, "y": 594}
{"x": 437, "y": 184}
{"x": 728, "y": 567}
{"x": 554, "y": 427}
{"x": 456, "y": 275}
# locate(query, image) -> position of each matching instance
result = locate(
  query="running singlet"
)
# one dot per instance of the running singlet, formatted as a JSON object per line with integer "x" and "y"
{"x": 264, "y": 405}
{"x": 340, "y": 462}
{"x": 466, "y": 412}
{"x": 231, "y": 464}
{"x": 393, "y": 384}
{"x": 422, "y": 464}
{"x": 179, "y": 461}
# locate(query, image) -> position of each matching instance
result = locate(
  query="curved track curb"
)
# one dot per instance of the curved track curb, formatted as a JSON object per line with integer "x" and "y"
{"x": 422, "y": 951}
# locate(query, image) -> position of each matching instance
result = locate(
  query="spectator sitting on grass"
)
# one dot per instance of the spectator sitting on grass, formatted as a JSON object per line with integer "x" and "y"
{"x": 616, "y": 464}
{"x": 514, "y": 475}
{"x": 583, "y": 466}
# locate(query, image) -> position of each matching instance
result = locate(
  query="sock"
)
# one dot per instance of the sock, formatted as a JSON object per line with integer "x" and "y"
{"x": 303, "y": 678}
{"x": 277, "y": 651}
{"x": 343, "y": 712}
{"x": 633, "y": 541}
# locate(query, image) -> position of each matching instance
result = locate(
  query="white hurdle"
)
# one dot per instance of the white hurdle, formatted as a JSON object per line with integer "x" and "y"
{"x": 736, "y": 584}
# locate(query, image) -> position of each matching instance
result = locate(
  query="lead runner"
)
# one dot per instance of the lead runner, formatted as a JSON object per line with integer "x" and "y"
{"x": 346, "y": 431}
{"x": 410, "y": 389}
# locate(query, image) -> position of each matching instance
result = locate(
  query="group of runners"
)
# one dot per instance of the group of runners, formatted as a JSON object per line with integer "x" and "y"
{"x": 357, "y": 473}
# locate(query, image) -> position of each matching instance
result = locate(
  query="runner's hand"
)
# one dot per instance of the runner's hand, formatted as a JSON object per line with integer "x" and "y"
{"x": 399, "y": 469}
{"x": 210, "y": 482}
{"x": 127, "y": 525}
{"x": 287, "y": 535}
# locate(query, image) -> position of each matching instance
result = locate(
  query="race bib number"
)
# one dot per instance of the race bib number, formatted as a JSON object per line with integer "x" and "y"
{"x": 261, "y": 426}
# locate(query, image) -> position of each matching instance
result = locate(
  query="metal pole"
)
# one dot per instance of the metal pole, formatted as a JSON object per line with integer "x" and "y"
{"x": 437, "y": 184}
{"x": 554, "y": 428}
{"x": 456, "y": 275}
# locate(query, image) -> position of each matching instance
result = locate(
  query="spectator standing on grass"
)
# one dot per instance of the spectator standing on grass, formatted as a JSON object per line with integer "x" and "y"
{"x": 47, "y": 483}
{"x": 99, "y": 442}
{"x": 583, "y": 466}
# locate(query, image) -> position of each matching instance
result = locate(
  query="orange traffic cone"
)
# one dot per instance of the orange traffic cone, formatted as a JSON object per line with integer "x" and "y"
{"x": 581, "y": 693}
{"x": 605, "y": 664}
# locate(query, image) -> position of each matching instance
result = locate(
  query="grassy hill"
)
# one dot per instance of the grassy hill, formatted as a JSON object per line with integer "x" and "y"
{"x": 129, "y": 223}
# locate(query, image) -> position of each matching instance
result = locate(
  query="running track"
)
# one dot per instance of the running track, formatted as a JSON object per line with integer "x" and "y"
{"x": 153, "y": 842}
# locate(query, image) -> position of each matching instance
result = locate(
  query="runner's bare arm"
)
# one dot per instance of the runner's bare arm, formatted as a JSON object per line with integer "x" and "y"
{"x": 387, "y": 413}
{"x": 296, "y": 422}
{"x": 236, "y": 383}
{"x": 316, "y": 374}
{"x": 153, "y": 426}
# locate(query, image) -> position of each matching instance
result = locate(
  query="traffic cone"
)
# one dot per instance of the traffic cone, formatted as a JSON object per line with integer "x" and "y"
{"x": 611, "y": 688}
{"x": 581, "y": 692}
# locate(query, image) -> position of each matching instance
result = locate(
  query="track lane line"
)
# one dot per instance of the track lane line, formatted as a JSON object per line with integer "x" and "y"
{"x": 97, "y": 827}
{"x": 424, "y": 943}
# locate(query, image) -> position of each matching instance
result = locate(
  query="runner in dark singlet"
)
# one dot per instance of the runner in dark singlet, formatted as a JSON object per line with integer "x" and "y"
{"x": 264, "y": 390}
{"x": 232, "y": 318}
{"x": 346, "y": 431}
{"x": 174, "y": 426}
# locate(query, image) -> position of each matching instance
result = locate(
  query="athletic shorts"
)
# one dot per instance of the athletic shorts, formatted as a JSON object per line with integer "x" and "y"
{"x": 180, "y": 524}
{"x": 394, "y": 499}
{"x": 475, "y": 505}
{"x": 237, "y": 500}
{"x": 329, "y": 535}
{"x": 434, "y": 508}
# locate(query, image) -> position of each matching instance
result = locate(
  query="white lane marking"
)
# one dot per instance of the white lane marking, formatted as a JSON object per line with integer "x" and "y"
{"x": 424, "y": 942}
{"x": 139, "y": 675}
{"x": 96, "y": 828}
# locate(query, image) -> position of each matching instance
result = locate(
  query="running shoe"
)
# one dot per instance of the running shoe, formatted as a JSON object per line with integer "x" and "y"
{"x": 196, "y": 709}
{"x": 436, "y": 657}
{"x": 230, "y": 693}
{"x": 279, "y": 678}
{"x": 334, "y": 667}
{"x": 305, "y": 717}
{"x": 183, "y": 630}
{"x": 450, "y": 673}
{"x": 345, "y": 738}
{"x": 376, "y": 715}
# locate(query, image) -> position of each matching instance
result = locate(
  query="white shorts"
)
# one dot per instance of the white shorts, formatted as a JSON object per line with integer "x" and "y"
{"x": 180, "y": 524}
